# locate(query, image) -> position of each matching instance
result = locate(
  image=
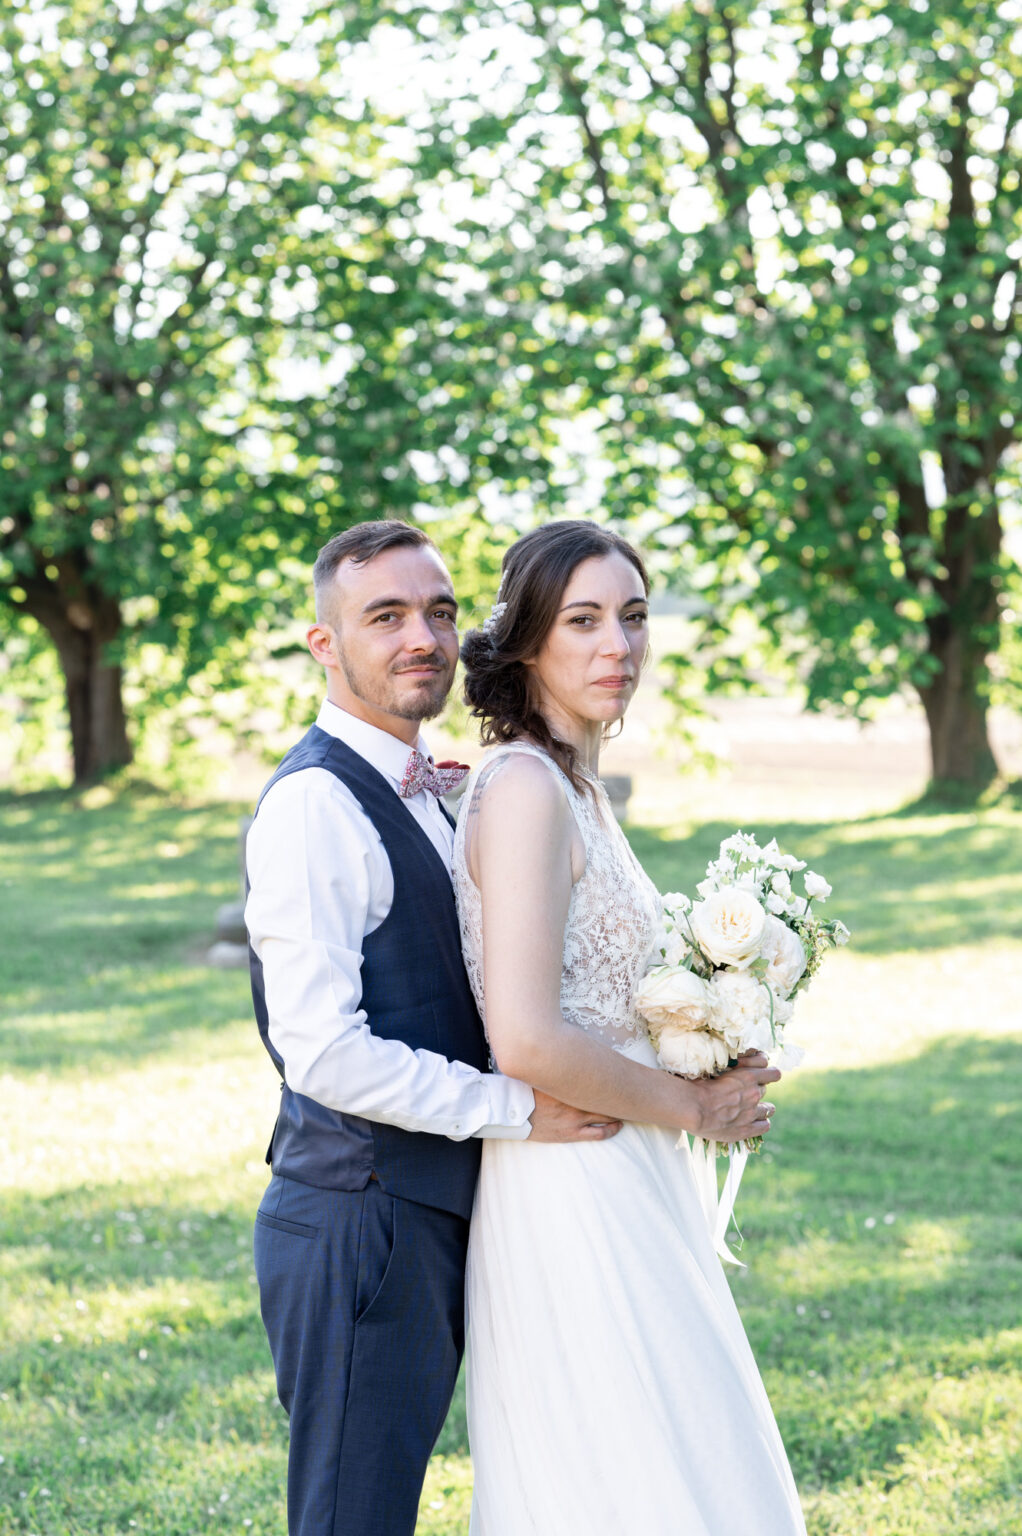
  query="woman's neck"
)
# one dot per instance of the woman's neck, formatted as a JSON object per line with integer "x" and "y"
{"x": 584, "y": 736}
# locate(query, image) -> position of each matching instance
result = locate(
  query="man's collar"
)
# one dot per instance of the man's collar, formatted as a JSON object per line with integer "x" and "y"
{"x": 387, "y": 753}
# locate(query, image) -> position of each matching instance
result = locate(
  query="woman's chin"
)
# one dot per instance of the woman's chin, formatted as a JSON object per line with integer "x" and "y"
{"x": 610, "y": 712}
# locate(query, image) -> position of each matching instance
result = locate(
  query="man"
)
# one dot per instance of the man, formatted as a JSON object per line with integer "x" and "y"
{"x": 364, "y": 1006}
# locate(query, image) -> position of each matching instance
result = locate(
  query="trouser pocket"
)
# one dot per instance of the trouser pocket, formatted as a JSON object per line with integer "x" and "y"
{"x": 376, "y": 1244}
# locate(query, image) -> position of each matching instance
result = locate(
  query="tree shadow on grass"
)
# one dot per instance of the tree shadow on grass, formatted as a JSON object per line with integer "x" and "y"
{"x": 872, "y": 1311}
{"x": 104, "y": 913}
{"x": 884, "y": 1244}
{"x": 125, "y": 1017}
{"x": 130, "y": 1382}
{"x": 900, "y": 882}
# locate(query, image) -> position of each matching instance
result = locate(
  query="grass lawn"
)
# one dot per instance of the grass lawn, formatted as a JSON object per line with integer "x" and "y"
{"x": 883, "y": 1228}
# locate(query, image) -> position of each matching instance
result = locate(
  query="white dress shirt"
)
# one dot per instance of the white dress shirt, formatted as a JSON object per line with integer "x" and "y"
{"x": 320, "y": 881}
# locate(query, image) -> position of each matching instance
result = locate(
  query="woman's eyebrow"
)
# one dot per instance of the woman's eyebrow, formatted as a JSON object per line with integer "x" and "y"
{"x": 585, "y": 602}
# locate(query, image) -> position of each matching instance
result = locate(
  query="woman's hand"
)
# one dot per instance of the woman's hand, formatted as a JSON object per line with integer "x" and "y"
{"x": 731, "y": 1107}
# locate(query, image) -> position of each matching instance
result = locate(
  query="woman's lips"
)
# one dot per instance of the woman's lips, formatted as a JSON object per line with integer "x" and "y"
{"x": 613, "y": 682}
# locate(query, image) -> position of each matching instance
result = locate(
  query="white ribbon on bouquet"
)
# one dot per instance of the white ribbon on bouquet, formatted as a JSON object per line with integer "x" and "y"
{"x": 718, "y": 1208}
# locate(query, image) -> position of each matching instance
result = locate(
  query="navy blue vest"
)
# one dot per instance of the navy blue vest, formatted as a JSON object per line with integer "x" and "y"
{"x": 414, "y": 989}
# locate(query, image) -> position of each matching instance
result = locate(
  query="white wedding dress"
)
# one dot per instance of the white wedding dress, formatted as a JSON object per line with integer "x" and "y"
{"x": 611, "y": 1388}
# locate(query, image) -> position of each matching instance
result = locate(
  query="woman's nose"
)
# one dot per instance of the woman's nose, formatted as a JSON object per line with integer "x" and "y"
{"x": 615, "y": 640}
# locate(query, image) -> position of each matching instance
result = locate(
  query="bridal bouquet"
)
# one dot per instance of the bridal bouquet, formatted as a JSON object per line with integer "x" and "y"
{"x": 731, "y": 965}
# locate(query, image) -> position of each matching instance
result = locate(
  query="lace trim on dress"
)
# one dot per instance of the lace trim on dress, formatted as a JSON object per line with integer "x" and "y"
{"x": 613, "y": 916}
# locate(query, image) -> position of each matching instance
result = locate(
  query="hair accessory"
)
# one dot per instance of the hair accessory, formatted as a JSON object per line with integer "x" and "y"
{"x": 496, "y": 614}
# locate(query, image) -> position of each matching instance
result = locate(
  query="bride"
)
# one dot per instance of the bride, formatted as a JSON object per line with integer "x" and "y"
{"x": 612, "y": 1391}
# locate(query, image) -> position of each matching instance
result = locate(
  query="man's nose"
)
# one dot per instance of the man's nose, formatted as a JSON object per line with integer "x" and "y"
{"x": 418, "y": 635}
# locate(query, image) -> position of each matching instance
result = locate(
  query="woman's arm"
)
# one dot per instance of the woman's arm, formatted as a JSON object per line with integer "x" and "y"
{"x": 522, "y": 837}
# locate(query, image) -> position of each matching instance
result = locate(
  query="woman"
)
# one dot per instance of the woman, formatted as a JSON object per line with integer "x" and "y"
{"x": 612, "y": 1391}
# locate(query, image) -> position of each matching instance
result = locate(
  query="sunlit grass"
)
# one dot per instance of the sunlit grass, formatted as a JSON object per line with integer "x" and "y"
{"x": 882, "y": 1227}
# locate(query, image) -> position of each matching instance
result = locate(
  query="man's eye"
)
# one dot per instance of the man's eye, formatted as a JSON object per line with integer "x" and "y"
{"x": 383, "y": 618}
{"x": 444, "y": 613}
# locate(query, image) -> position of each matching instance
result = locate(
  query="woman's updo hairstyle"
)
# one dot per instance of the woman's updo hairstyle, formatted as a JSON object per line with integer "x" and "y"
{"x": 535, "y": 571}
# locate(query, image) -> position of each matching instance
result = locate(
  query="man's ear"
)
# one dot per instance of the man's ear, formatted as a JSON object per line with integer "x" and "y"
{"x": 320, "y": 640}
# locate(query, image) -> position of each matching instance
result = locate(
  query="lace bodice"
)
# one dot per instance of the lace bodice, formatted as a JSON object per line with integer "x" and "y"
{"x": 613, "y": 917}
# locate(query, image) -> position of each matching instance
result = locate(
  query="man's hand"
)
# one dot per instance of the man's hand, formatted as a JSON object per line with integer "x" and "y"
{"x": 553, "y": 1121}
{"x": 731, "y": 1106}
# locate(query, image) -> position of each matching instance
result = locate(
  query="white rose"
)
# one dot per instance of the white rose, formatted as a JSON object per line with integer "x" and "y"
{"x": 781, "y": 883}
{"x": 675, "y": 902}
{"x": 693, "y": 1053}
{"x": 776, "y": 903}
{"x": 841, "y": 933}
{"x": 667, "y": 996}
{"x": 817, "y": 889}
{"x": 786, "y": 955}
{"x": 728, "y": 926}
{"x": 741, "y": 1011}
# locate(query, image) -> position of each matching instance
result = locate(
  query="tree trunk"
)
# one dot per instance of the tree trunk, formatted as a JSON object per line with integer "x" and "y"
{"x": 82, "y": 632}
{"x": 956, "y": 711}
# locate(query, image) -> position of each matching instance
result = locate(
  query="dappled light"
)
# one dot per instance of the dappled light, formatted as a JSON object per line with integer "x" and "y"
{"x": 880, "y": 1223}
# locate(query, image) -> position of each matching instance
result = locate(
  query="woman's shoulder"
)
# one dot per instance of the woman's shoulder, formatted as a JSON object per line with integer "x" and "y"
{"x": 519, "y": 771}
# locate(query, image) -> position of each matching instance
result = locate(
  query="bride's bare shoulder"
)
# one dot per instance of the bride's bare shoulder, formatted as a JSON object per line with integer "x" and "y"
{"x": 519, "y": 788}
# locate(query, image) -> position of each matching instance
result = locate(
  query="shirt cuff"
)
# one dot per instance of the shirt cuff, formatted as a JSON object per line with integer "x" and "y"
{"x": 513, "y": 1103}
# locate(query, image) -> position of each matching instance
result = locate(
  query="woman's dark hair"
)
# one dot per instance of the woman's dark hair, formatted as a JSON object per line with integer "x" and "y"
{"x": 498, "y": 685}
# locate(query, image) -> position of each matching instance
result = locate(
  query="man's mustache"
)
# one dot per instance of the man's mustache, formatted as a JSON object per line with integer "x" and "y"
{"x": 439, "y": 662}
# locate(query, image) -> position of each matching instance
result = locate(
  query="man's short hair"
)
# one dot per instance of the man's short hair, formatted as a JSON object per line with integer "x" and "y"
{"x": 360, "y": 545}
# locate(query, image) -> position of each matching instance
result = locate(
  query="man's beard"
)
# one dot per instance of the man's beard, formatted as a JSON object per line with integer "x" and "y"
{"x": 424, "y": 703}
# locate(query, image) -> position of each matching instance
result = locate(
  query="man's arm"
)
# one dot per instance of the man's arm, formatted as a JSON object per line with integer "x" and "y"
{"x": 319, "y": 881}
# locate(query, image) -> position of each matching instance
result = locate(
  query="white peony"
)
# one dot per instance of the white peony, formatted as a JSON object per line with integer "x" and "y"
{"x": 728, "y": 926}
{"x": 667, "y": 996}
{"x": 692, "y": 1053}
{"x": 817, "y": 889}
{"x": 786, "y": 954}
{"x": 741, "y": 1011}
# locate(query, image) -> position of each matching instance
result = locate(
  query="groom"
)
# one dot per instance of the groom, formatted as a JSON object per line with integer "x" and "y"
{"x": 363, "y": 1004}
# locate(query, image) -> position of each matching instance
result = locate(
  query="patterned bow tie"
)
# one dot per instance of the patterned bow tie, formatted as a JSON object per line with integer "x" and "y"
{"x": 438, "y": 778}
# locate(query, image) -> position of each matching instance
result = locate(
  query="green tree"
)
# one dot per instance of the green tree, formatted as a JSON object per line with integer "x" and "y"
{"x": 214, "y": 316}
{"x": 769, "y": 254}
